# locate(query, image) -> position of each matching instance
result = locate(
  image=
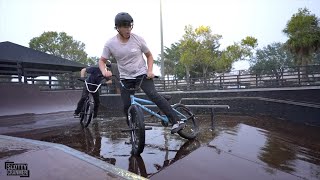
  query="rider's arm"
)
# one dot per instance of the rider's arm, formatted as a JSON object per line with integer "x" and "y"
{"x": 83, "y": 72}
{"x": 148, "y": 54}
{"x": 102, "y": 66}
{"x": 149, "y": 64}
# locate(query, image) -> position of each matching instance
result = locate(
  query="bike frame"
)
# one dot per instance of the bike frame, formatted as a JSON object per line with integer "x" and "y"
{"x": 137, "y": 101}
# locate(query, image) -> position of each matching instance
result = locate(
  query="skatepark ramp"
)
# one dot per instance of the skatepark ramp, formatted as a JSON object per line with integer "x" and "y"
{"x": 26, "y": 98}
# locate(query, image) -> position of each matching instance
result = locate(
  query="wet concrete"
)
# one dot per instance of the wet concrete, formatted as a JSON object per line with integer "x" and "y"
{"x": 45, "y": 160}
{"x": 276, "y": 149}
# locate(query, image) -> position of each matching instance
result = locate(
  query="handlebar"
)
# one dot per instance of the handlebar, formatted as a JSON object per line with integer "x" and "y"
{"x": 137, "y": 87}
{"x": 92, "y": 84}
{"x": 118, "y": 79}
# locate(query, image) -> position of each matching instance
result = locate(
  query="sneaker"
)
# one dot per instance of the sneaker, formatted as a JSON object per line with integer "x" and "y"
{"x": 177, "y": 127}
{"x": 76, "y": 115}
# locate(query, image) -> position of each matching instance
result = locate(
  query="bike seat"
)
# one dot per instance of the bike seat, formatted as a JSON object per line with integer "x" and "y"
{"x": 167, "y": 97}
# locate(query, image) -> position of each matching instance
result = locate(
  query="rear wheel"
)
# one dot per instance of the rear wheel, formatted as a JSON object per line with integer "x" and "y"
{"x": 87, "y": 115}
{"x": 191, "y": 129}
{"x": 136, "y": 123}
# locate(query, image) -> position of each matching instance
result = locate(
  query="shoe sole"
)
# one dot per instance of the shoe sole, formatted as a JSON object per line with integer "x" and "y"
{"x": 177, "y": 129}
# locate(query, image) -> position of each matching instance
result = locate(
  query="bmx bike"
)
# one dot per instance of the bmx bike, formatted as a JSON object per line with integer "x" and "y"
{"x": 136, "y": 122}
{"x": 86, "y": 113}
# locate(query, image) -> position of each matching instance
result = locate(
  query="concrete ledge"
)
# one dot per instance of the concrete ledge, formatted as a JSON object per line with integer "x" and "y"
{"x": 56, "y": 161}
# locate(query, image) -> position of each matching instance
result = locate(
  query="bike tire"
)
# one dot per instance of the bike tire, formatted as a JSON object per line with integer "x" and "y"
{"x": 83, "y": 111}
{"x": 191, "y": 129}
{"x": 136, "y": 123}
{"x": 88, "y": 111}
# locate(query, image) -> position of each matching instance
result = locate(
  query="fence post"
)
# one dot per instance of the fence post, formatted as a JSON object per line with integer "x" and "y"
{"x": 19, "y": 70}
{"x": 164, "y": 84}
{"x": 71, "y": 80}
{"x": 176, "y": 80}
{"x": 50, "y": 80}
{"x": 238, "y": 80}
{"x": 299, "y": 79}
{"x": 25, "y": 75}
{"x": 256, "y": 80}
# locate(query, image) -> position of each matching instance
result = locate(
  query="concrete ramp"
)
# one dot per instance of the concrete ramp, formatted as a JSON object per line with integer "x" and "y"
{"x": 25, "y": 98}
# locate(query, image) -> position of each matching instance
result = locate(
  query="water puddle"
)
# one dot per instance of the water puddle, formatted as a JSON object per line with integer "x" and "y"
{"x": 276, "y": 145}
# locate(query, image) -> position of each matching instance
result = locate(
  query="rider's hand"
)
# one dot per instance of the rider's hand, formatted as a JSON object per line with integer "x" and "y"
{"x": 82, "y": 78}
{"x": 107, "y": 73}
{"x": 150, "y": 75}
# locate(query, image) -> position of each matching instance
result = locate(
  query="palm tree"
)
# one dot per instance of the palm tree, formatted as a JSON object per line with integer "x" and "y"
{"x": 304, "y": 37}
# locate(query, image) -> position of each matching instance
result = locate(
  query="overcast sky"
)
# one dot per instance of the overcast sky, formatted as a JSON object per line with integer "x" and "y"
{"x": 92, "y": 21}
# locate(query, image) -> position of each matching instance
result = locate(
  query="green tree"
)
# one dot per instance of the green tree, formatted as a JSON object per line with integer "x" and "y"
{"x": 92, "y": 60}
{"x": 171, "y": 60}
{"x": 198, "y": 50}
{"x": 208, "y": 45}
{"x": 238, "y": 51}
{"x": 61, "y": 45}
{"x": 188, "y": 50}
{"x": 317, "y": 58}
{"x": 303, "y": 31}
{"x": 272, "y": 59}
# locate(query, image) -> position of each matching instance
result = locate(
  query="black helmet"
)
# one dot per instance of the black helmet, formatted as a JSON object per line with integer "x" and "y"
{"x": 123, "y": 18}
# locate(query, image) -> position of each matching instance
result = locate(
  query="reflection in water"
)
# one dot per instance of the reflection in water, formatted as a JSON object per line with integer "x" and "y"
{"x": 277, "y": 150}
{"x": 277, "y": 145}
{"x": 137, "y": 165}
{"x": 278, "y": 154}
{"x": 92, "y": 143}
{"x": 99, "y": 144}
{"x": 184, "y": 150}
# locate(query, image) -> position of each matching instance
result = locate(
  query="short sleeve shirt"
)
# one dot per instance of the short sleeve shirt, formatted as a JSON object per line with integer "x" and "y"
{"x": 129, "y": 56}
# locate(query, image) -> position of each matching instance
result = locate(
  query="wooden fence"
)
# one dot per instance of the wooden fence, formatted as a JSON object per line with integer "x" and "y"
{"x": 286, "y": 77}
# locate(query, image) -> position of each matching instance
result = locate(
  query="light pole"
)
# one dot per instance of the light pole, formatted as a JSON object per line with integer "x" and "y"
{"x": 161, "y": 32}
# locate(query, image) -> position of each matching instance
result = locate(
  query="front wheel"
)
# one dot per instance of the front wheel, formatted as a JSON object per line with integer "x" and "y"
{"x": 88, "y": 110}
{"x": 191, "y": 129}
{"x": 136, "y": 123}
